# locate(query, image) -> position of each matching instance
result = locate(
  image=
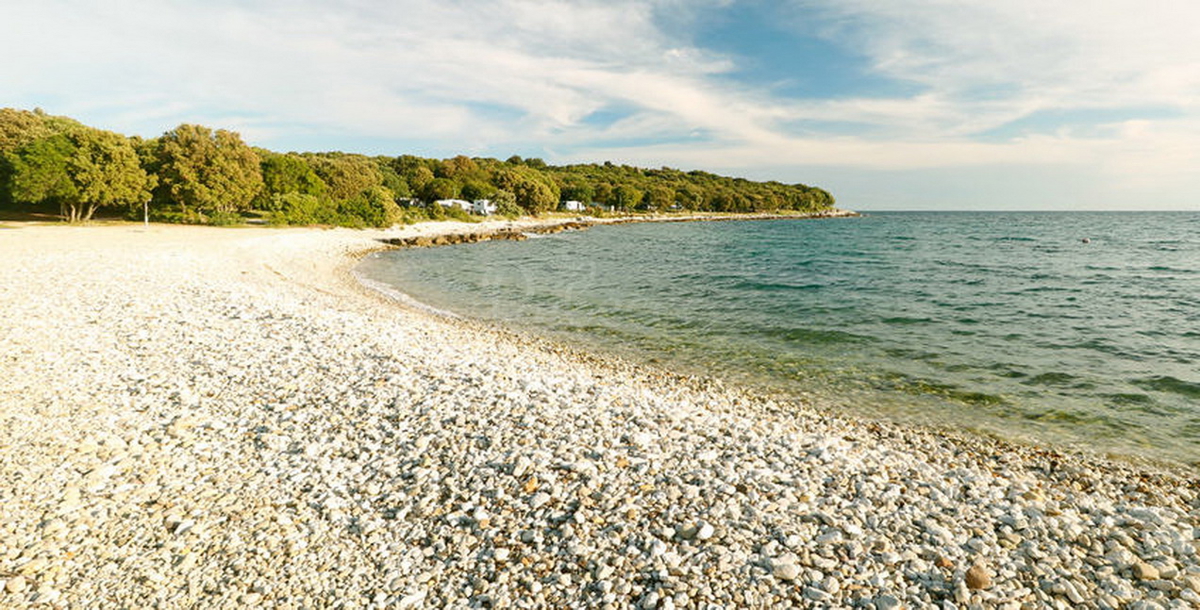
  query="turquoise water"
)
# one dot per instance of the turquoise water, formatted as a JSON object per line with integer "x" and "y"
{"x": 1002, "y": 323}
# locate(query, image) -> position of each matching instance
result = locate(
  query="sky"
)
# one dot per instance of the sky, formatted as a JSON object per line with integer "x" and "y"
{"x": 922, "y": 104}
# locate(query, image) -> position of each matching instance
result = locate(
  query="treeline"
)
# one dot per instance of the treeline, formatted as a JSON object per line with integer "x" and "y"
{"x": 198, "y": 175}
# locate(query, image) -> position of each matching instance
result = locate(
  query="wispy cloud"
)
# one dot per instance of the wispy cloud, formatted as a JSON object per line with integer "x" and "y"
{"x": 987, "y": 85}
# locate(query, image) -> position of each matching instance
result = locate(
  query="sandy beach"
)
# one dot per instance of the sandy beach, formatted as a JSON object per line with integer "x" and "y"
{"x": 204, "y": 417}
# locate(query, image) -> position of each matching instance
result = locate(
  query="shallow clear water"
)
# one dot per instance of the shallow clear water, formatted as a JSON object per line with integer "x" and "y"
{"x": 1000, "y": 322}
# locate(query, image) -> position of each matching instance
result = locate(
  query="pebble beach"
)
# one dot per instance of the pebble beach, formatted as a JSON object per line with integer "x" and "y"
{"x": 228, "y": 418}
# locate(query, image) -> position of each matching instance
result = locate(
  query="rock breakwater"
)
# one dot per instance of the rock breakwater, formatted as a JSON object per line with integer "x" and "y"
{"x": 486, "y": 233}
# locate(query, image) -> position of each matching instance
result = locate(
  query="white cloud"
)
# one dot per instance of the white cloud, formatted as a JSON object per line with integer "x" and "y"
{"x": 500, "y": 76}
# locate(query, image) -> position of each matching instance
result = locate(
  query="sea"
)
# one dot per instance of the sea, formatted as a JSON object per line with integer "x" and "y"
{"x": 1068, "y": 330}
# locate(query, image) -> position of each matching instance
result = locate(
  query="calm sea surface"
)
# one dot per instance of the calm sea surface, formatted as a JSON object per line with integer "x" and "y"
{"x": 1004, "y": 323}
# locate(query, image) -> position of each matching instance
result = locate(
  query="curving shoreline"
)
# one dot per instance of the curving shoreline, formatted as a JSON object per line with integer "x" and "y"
{"x": 466, "y": 233}
{"x": 228, "y": 418}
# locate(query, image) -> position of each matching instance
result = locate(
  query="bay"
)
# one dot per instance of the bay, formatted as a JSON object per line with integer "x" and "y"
{"x": 1064, "y": 329}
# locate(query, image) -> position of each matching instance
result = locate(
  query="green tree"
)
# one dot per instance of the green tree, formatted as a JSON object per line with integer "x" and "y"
{"x": 534, "y": 191}
{"x": 208, "y": 172}
{"x": 603, "y": 193}
{"x": 300, "y": 209}
{"x": 38, "y": 172}
{"x": 625, "y": 197}
{"x": 578, "y": 190}
{"x": 420, "y": 179}
{"x": 108, "y": 173}
{"x": 459, "y": 169}
{"x": 476, "y": 189}
{"x": 393, "y": 181}
{"x": 347, "y": 176}
{"x": 658, "y": 198}
{"x": 506, "y": 204}
{"x": 20, "y": 127}
{"x": 414, "y": 170}
{"x": 374, "y": 207}
{"x": 287, "y": 173}
{"x": 439, "y": 188}
{"x": 80, "y": 171}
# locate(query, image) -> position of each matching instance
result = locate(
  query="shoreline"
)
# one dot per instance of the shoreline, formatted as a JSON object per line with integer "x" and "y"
{"x": 441, "y": 234}
{"x": 185, "y": 406}
{"x": 518, "y": 230}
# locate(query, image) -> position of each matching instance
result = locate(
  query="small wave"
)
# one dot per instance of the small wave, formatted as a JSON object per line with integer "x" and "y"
{"x": 1171, "y": 269}
{"x": 774, "y": 286}
{"x": 811, "y": 336}
{"x": 911, "y": 385}
{"x": 911, "y": 354}
{"x": 1128, "y": 398}
{"x": 902, "y": 320}
{"x": 402, "y": 298}
{"x": 1063, "y": 416}
{"x": 1172, "y": 385}
{"x": 1052, "y": 378}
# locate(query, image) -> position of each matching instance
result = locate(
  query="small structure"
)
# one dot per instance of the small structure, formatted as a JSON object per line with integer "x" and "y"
{"x": 462, "y": 204}
{"x": 483, "y": 207}
{"x": 573, "y": 206}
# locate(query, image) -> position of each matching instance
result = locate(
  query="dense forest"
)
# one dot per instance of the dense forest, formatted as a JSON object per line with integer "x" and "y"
{"x": 199, "y": 175}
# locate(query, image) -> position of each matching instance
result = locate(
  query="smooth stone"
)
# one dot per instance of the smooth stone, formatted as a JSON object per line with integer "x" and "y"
{"x": 412, "y": 600}
{"x": 33, "y": 566}
{"x": 16, "y": 584}
{"x": 1192, "y": 582}
{"x": 886, "y": 602}
{"x": 539, "y": 500}
{"x": 1145, "y": 571}
{"x": 46, "y": 595}
{"x": 785, "y": 571}
{"x": 978, "y": 577}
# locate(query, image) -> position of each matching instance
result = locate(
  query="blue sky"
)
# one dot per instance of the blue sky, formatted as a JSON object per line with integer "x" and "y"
{"x": 925, "y": 104}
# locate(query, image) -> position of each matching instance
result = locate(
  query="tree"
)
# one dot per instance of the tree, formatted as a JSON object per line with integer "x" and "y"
{"x": 459, "y": 169}
{"x": 658, "y": 198}
{"x": 300, "y": 209}
{"x": 374, "y": 207}
{"x": 20, "y": 127}
{"x": 108, "y": 173}
{"x": 414, "y": 170}
{"x": 80, "y": 171}
{"x": 534, "y": 191}
{"x": 506, "y": 204}
{"x": 347, "y": 176}
{"x": 624, "y": 197}
{"x": 289, "y": 173}
{"x": 603, "y": 192}
{"x": 393, "y": 181}
{"x": 421, "y": 177}
{"x": 439, "y": 188}
{"x": 39, "y": 172}
{"x": 209, "y": 172}
{"x": 577, "y": 190}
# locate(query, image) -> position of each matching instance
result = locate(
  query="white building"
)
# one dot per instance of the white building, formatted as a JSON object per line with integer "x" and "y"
{"x": 483, "y": 207}
{"x": 573, "y": 206}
